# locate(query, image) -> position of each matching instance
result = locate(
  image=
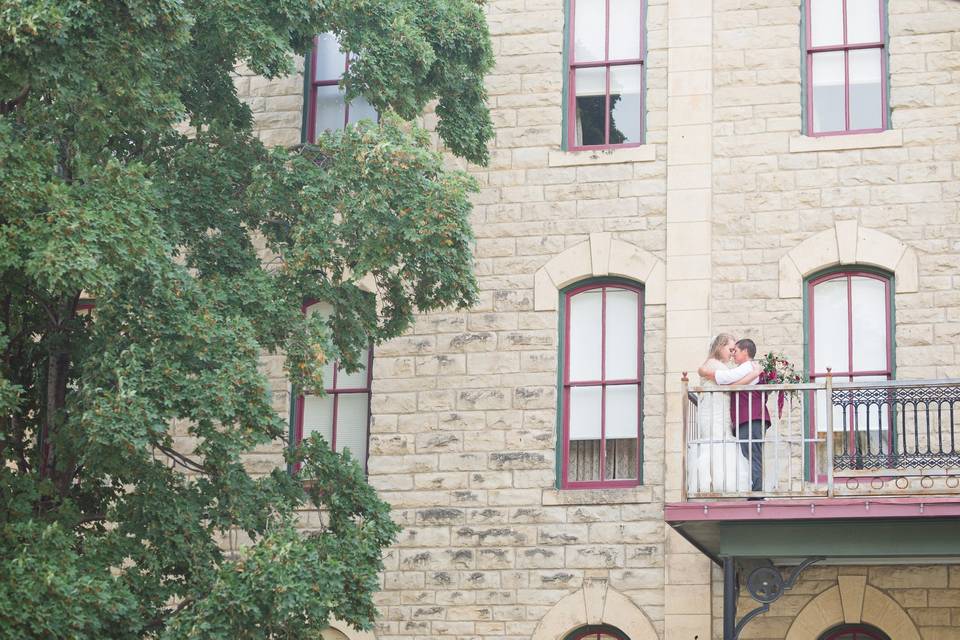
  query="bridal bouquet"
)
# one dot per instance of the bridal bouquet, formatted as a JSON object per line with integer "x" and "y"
{"x": 775, "y": 369}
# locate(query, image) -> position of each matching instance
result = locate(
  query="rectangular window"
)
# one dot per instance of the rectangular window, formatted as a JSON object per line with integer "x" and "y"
{"x": 602, "y": 391}
{"x": 846, "y": 66}
{"x": 606, "y": 80}
{"x": 342, "y": 416}
{"x": 326, "y": 108}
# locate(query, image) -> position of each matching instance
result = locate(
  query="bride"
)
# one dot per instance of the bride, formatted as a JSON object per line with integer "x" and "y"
{"x": 714, "y": 461}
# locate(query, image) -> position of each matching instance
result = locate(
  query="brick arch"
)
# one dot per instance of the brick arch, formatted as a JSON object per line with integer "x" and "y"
{"x": 341, "y": 630}
{"x": 852, "y": 601}
{"x": 595, "y": 603}
{"x": 601, "y": 255}
{"x": 848, "y": 243}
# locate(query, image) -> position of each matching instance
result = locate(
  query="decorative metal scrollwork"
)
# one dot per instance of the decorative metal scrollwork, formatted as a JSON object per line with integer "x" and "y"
{"x": 765, "y": 584}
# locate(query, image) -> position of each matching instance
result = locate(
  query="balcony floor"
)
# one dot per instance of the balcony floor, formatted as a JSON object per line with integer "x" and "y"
{"x": 844, "y": 530}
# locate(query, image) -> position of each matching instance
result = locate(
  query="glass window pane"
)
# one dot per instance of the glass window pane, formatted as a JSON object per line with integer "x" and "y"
{"x": 585, "y": 413}
{"x": 591, "y": 99}
{"x": 866, "y": 101}
{"x": 826, "y": 22}
{"x": 360, "y": 109}
{"x": 622, "y": 415}
{"x": 589, "y": 30}
{"x": 318, "y": 417}
{"x": 874, "y": 418}
{"x": 863, "y": 21}
{"x": 584, "y": 339}
{"x": 352, "y": 424}
{"x": 625, "y": 29}
{"x": 622, "y": 334}
{"x": 830, "y": 326}
{"x": 869, "y": 306}
{"x": 625, "y": 104}
{"x": 355, "y": 380}
{"x": 621, "y": 432}
{"x": 323, "y": 309}
{"x": 330, "y": 61}
{"x": 330, "y": 107}
{"x": 828, "y": 92}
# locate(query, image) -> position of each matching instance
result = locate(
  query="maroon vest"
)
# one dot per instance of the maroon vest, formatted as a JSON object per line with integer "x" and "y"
{"x": 748, "y": 405}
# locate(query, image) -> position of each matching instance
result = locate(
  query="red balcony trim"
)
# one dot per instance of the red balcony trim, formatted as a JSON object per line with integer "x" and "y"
{"x": 814, "y": 509}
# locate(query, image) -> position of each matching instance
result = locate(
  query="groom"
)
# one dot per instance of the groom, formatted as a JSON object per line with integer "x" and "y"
{"x": 748, "y": 412}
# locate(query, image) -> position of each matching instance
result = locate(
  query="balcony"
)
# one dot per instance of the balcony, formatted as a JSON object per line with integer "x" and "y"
{"x": 827, "y": 439}
{"x": 846, "y": 470}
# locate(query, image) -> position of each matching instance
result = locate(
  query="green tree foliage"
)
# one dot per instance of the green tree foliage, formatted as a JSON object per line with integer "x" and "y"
{"x": 198, "y": 251}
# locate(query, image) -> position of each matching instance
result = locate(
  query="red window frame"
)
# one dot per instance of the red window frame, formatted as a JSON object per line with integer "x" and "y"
{"x": 606, "y": 63}
{"x": 849, "y": 375}
{"x": 334, "y": 392}
{"x": 315, "y": 83}
{"x": 597, "y": 632}
{"x": 846, "y": 48}
{"x": 566, "y": 483}
{"x": 854, "y": 632}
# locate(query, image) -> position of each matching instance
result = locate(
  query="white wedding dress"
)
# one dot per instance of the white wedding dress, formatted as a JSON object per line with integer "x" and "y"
{"x": 714, "y": 461}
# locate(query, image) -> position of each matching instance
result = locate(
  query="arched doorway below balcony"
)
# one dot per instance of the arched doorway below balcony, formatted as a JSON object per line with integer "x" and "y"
{"x": 854, "y": 632}
{"x": 597, "y": 632}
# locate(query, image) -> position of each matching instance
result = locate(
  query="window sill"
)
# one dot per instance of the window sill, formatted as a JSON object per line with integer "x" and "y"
{"x": 587, "y": 157}
{"x": 889, "y": 138}
{"x": 627, "y": 495}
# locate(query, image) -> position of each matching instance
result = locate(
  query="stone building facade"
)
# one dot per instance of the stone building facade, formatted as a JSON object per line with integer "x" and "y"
{"x": 721, "y": 215}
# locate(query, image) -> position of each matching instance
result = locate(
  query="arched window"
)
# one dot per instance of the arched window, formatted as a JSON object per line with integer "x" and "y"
{"x": 602, "y": 385}
{"x": 850, "y": 330}
{"x": 854, "y": 632}
{"x": 341, "y": 416}
{"x": 597, "y": 632}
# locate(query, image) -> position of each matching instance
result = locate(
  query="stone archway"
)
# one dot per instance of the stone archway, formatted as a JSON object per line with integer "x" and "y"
{"x": 848, "y": 243}
{"x": 342, "y": 631}
{"x": 601, "y": 255}
{"x": 852, "y": 601}
{"x": 595, "y": 603}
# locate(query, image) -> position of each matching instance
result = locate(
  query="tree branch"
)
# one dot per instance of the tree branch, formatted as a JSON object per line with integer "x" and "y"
{"x": 182, "y": 460}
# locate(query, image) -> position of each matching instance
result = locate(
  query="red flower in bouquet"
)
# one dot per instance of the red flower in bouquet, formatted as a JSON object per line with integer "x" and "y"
{"x": 775, "y": 369}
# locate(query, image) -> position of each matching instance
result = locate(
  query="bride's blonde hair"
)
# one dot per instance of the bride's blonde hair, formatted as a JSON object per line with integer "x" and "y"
{"x": 718, "y": 343}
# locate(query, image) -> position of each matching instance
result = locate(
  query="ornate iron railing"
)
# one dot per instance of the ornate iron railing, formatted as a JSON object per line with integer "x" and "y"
{"x": 823, "y": 438}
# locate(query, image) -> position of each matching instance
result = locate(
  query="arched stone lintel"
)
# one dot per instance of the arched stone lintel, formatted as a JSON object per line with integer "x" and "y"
{"x": 852, "y": 601}
{"x": 595, "y": 603}
{"x": 348, "y": 631}
{"x": 601, "y": 255}
{"x": 848, "y": 243}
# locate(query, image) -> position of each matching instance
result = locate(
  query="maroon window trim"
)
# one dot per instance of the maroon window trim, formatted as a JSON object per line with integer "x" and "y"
{"x": 606, "y": 63}
{"x": 603, "y": 382}
{"x": 850, "y": 374}
{"x": 854, "y": 632}
{"x": 846, "y": 48}
{"x": 335, "y": 392}
{"x": 315, "y": 83}
{"x": 597, "y": 632}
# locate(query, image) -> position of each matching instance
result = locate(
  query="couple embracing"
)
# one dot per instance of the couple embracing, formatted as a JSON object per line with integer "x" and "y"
{"x": 732, "y": 428}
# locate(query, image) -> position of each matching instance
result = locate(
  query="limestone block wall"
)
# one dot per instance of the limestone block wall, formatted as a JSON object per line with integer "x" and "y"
{"x": 463, "y": 429}
{"x": 463, "y": 436}
{"x": 772, "y": 188}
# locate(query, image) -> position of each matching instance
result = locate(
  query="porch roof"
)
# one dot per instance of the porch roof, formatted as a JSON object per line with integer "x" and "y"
{"x": 844, "y": 530}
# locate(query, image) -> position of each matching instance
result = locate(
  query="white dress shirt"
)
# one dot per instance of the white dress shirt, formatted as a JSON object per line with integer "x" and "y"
{"x": 729, "y": 376}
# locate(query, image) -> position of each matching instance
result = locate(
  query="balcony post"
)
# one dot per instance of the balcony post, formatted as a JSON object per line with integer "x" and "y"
{"x": 729, "y": 598}
{"x": 685, "y": 409}
{"x": 829, "y": 434}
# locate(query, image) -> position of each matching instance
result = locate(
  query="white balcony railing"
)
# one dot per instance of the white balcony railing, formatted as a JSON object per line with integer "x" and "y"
{"x": 897, "y": 437}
